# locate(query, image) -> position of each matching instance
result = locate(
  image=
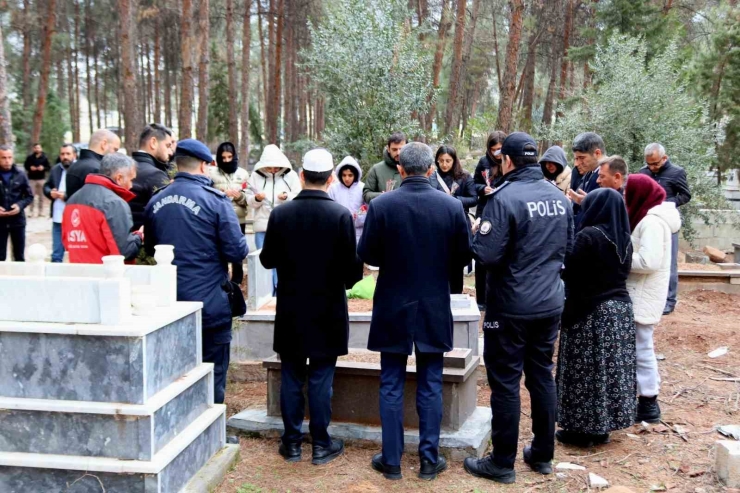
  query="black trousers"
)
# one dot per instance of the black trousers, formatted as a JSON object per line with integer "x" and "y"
{"x": 17, "y": 238}
{"x": 480, "y": 284}
{"x": 293, "y": 375}
{"x": 237, "y": 268}
{"x": 510, "y": 347}
{"x": 217, "y": 352}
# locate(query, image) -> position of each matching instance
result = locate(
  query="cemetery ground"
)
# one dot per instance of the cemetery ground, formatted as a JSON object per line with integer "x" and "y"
{"x": 676, "y": 456}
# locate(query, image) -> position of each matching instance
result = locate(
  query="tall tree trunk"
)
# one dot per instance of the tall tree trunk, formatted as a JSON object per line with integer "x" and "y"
{"x": 185, "y": 118}
{"x": 462, "y": 94}
{"x": 156, "y": 114}
{"x": 246, "y": 47}
{"x": 444, "y": 26}
{"x": 96, "y": 84}
{"x": 204, "y": 28}
{"x": 76, "y": 58}
{"x": 273, "y": 115}
{"x": 551, "y": 87}
{"x": 498, "y": 58}
{"x": 71, "y": 87}
{"x": 130, "y": 105}
{"x": 141, "y": 86}
{"x": 168, "y": 83}
{"x": 149, "y": 83}
{"x": 26, "y": 87}
{"x": 263, "y": 57}
{"x": 566, "y": 47}
{"x": 88, "y": 89}
{"x": 60, "y": 74}
{"x": 452, "y": 117}
{"x": 231, "y": 65}
{"x": 512, "y": 54}
{"x": 6, "y": 129}
{"x": 48, "y": 34}
{"x": 288, "y": 68}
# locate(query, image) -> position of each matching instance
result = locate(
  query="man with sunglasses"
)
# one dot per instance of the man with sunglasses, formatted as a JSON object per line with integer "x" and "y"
{"x": 673, "y": 180}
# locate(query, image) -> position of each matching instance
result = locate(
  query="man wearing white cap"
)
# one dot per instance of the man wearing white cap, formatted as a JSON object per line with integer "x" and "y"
{"x": 311, "y": 243}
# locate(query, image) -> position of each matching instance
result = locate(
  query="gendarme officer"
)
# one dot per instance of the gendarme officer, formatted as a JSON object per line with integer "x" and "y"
{"x": 526, "y": 229}
{"x": 200, "y": 222}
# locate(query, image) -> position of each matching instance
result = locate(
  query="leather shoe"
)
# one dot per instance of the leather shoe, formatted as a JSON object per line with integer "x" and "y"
{"x": 290, "y": 452}
{"x": 584, "y": 440}
{"x": 324, "y": 455}
{"x": 429, "y": 471}
{"x": 668, "y": 310}
{"x": 486, "y": 469}
{"x": 648, "y": 410}
{"x": 540, "y": 467}
{"x": 389, "y": 472}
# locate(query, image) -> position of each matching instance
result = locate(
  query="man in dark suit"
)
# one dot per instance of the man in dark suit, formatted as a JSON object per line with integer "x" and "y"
{"x": 311, "y": 243}
{"x": 416, "y": 236}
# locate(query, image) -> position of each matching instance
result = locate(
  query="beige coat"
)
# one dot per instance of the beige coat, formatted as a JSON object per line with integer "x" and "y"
{"x": 563, "y": 180}
{"x": 234, "y": 181}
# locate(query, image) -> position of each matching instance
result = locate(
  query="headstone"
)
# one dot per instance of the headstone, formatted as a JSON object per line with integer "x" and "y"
{"x": 259, "y": 282}
{"x": 728, "y": 463}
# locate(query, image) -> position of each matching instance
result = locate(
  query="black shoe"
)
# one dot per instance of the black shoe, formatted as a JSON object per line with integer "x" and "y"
{"x": 540, "y": 467}
{"x": 290, "y": 452}
{"x": 648, "y": 410}
{"x": 324, "y": 455}
{"x": 389, "y": 472}
{"x": 485, "y": 468}
{"x": 429, "y": 471}
{"x": 581, "y": 439}
{"x": 668, "y": 310}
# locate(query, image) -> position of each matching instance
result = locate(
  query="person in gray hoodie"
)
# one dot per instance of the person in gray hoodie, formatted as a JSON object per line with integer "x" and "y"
{"x": 555, "y": 168}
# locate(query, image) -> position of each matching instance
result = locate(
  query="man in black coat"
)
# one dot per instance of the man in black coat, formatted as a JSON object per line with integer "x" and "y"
{"x": 36, "y": 165}
{"x": 416, "y": 236}
{"x": 588, "y": 149}
{"x": 311, "y": 242}
{"x": 526, "y": 231}
{"x": 15, "y": 196}
{"x": 673, "y": 180}
{"x": 155, "y": 149}
{"x": 102, "y": 142}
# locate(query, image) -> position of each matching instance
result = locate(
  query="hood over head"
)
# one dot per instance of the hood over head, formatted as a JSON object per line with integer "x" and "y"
{"x": 555, "y": 155}
{"x": 271, "y": 157}
{"x": 348, "y": 162}
{"x": 641, "y": 194}
{"x": 229, "y": 167}
{"x": 668, "y": 212}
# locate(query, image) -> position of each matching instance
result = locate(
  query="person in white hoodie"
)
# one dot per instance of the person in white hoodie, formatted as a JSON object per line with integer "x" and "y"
{"x": 347, "y": 191}
{"x": 273, "y": 183}
{"x": 652, "y": 221}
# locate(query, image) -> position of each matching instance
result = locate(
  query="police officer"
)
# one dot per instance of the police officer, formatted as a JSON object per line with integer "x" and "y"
{"x": 526, "y": 229}
{"x": 200, "y": 222}
{"x": 311, "y": 242}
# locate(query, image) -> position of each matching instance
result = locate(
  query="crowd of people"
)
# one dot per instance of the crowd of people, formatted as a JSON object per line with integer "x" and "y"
{"x": 586, "y": 255}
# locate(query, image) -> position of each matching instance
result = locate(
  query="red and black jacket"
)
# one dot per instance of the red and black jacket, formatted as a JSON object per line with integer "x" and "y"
{"x": 97, "y": 221}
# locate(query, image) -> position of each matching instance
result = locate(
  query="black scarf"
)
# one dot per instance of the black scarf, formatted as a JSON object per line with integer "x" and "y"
{"x": 604, "y": 210}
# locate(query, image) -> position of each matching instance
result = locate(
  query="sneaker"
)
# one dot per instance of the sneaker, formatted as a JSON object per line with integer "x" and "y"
{"x": 429, "y": 471}
{"x": 486, "y": 469}
{"x": 324, "y": 455}
{"x": 290, "y": 452}
{"x": 540, "y": 467}
{"x": 648, "y": 410}
{"x": 584, "y": 440}
{"x": 389, "y": 472}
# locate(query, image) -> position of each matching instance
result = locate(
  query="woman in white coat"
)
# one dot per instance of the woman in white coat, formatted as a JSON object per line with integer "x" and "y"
{"x": 652, "y": 221}
{"x": 273, "y": 183}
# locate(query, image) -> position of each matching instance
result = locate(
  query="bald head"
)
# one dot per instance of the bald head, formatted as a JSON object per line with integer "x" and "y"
{"x": 104, "y": 142}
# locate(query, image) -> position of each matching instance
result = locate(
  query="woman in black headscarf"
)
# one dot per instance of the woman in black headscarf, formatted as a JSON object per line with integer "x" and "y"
{"x": 597, "y": 359}
{"x": 232, "y": 180}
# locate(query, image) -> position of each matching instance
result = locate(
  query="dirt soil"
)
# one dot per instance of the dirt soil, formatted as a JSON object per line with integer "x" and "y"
{"x": 661, "y": 458}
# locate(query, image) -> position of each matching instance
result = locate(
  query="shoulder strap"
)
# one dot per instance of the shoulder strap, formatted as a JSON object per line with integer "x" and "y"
{"x": 442, "y": 182}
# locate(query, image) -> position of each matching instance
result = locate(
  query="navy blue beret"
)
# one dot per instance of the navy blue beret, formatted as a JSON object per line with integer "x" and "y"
{"x": 194, "y": 148}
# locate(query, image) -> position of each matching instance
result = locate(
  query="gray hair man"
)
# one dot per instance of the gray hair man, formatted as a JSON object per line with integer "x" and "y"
{"x": 416, "y": 251}
{"x": 97, "y": 219}
{"x": 673, "y": 180}
{"x": 102, "y": 142}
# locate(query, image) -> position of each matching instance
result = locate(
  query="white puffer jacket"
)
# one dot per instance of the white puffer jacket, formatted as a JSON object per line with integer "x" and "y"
{"x": 651, "y": 262}
{"x": 272, "y": 185}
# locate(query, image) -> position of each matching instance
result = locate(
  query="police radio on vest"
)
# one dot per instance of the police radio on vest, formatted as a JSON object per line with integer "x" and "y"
{"x": 549, "y": 208}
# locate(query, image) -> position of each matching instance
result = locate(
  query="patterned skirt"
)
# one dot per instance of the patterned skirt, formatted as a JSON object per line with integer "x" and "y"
{"x": 596, "y": 375}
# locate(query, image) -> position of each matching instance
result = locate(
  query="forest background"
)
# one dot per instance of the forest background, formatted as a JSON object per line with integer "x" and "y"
{"x": 346, "y": 73}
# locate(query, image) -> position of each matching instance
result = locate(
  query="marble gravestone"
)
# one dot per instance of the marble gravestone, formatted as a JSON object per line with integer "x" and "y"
{"x": 112, "y": 396}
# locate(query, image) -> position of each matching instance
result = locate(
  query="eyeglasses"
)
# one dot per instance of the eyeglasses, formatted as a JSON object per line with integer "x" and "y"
{"x": 656, "y": 163}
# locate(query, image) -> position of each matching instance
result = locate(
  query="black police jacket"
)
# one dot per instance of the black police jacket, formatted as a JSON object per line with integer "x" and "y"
{"x": 524, "y": 235}
{"x": 673, "y": 180}
{"x": 200, "y": 222}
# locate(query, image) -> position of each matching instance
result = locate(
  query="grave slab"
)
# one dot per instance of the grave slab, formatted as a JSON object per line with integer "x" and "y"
{"x": 728, "y": 463}
{"x": 471, "y": 440}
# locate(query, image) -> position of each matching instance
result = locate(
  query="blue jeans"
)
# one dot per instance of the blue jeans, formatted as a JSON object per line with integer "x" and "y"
{"x": 259, "y": 240}
{"x": 293, "y": 375}
{"x": 57, "y": 247}
{"x": 670, "y": 303}
{"x": 428, "y": 404}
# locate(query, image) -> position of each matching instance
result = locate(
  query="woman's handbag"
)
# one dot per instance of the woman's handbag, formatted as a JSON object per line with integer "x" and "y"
{"x": 236, "y": 298}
